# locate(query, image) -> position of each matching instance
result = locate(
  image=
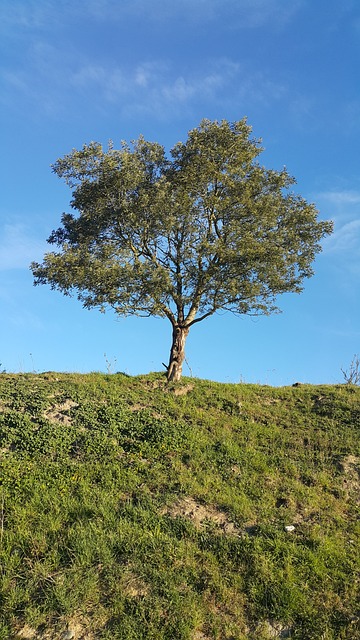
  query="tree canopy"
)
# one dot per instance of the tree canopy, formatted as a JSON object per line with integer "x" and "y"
{"x": 181, "y": 236}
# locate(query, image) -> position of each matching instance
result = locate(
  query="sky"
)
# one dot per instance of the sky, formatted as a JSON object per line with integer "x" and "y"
{"x": 74, "y": 72}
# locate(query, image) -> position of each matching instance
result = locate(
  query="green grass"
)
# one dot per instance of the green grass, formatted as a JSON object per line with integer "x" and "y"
{"x": 130, "y": 511}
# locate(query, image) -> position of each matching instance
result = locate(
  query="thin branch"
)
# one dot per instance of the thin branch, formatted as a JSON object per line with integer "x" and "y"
{"x": 205, "y": 315}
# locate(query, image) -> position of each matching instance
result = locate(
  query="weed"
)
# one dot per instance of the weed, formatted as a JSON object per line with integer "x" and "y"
{"x": 352, "y": 374}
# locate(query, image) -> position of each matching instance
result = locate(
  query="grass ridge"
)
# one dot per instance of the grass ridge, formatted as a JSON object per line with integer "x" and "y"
{"x": 133, "y": 509}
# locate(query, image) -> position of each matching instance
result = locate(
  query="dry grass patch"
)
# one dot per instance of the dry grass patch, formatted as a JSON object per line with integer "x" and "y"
{"x": 199, "y": 513}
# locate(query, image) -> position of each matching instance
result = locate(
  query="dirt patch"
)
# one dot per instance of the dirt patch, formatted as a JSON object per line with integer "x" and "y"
{"x": 350, "y": 466}
{"x": 199, "y": 513}
{"x": 137, "y": 407}
{"x": 135, "y": 587}
{"x": 26, "y": 633}
{"x": 182, "y": 391}
{"x": 60, "y": 412}
{"x": 271, "y": 629}
{"x": 75, "y": 628}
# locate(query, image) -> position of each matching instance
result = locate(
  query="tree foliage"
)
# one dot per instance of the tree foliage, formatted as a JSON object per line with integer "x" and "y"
{"x": 181, "y": 237}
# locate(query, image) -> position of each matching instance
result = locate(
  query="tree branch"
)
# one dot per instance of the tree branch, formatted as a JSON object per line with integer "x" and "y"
{"x": 205, "y": 315}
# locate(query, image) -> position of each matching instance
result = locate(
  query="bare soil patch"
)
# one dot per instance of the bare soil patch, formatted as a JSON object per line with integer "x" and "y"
{"x": 271, "y": 629}
{"x": 60, "y": 412}
{"x": 26, "y": 633}
{"x": 135, "y": 587}
{"x": 199, "y": 513}
{"x": 183, "y": 391}
{"x": 350, "y": 467}
{"x": 76, "y": 628}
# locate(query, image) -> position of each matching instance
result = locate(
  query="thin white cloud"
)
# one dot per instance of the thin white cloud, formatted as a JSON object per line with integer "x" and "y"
{"x": 155, "y": 86}
{"x": 40, "y": 81}
{"x": 341, "y": 198}
{"x": 343, "y": 206}
{"x": 20, "y": 17}
{"x": 56, "y": 77}
{"x": 244, "y": 14}
{"x": 57, "y": 81}
{"x": 15, "y": 81}
{"x": 345, "y": 239}
{"x": 183, "y": 89}
{"x": 145, "y": 74}
{"x": 18, "y": 248}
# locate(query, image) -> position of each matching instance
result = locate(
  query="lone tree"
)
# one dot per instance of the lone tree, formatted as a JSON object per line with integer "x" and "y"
{"x": 208, "y": 228}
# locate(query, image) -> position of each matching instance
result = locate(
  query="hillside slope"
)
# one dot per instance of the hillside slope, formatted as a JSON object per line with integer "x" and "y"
{"x": 132, "y": 510}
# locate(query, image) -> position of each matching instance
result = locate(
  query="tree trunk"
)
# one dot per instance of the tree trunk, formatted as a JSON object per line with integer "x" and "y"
{"x": 177, "y": 353}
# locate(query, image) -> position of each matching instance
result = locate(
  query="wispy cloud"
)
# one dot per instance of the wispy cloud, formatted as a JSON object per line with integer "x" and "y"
{"x": 345, "y": 239}
{"x": 38, "y": 80}
{"x": 341, "y": 198}
{"x": 27, "y": 15}
{"x": 57, "y": 81}
{"x": 246, "y": 14}
{"x": 154, "y": 86}
{"x": 344, "y": 208}
{"x": 53, "y": 73}
{"x": 18, "y": 247}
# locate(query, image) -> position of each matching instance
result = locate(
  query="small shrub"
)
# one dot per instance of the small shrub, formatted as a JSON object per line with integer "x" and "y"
{"x": 352, "y": 374}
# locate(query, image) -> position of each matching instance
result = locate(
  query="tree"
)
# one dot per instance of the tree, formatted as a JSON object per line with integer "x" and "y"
{"x": 181, "y": 237}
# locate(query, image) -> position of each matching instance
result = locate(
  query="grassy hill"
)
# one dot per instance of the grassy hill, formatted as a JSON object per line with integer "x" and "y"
{"x": 132, "y": 510}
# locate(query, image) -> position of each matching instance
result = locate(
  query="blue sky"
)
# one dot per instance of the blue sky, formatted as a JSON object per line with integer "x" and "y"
{"x": 72, "y": 72}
